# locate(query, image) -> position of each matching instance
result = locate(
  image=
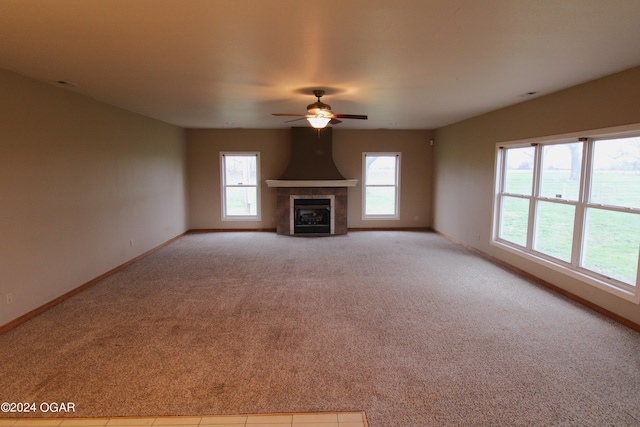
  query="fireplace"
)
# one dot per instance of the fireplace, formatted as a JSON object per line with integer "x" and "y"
{"x": 310, "y": 200}
{"x": 312, "y": 215}
{"x": 311, "y": 194}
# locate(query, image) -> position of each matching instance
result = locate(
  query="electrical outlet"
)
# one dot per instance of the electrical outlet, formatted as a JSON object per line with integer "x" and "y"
{"x": 9, "y": 299}
{"x": 131, "y": 243}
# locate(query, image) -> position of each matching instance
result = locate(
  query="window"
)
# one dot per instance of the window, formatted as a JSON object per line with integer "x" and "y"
{"x": 240, "y": 189}
{"x": 381, "y": 185}
{"x": 574, "y": 205}
{"x": 612, "y": 214}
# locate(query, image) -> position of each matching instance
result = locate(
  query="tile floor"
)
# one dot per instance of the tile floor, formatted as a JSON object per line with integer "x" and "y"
{"x": 334, "y": 419}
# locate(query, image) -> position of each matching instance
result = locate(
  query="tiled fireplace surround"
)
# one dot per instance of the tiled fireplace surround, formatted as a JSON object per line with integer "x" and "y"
{"x": 285, "y": 200}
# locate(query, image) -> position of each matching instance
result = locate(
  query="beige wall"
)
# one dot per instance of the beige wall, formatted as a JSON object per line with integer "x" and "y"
{"x": 464, "y": 157}
{"x": 79, "y": 180}
{"x": 203, "y": 165}
{"x": 416, "y": 172}
{"x": 205, "y": 145}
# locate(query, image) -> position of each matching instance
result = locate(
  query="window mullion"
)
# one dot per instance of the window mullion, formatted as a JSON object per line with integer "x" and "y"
{"x": 503, "y": 172}
{"x": 535, "y": 188}
{"x": 583, "y": 199}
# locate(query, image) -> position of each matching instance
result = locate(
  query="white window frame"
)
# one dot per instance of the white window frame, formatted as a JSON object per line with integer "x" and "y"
{"x": 223, "y": 186}
{"x": 396, "y": 214}
{"x": 572, "y": 268}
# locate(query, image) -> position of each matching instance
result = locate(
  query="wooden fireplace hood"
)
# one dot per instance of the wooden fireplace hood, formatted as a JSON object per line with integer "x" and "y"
{"x": 311, "y": 163}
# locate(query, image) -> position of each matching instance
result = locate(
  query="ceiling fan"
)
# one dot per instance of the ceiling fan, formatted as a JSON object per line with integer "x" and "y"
{"x": 319, "y": 114}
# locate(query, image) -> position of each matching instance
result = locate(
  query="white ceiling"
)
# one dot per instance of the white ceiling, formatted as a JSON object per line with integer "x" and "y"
{"x": 408, "y": 64}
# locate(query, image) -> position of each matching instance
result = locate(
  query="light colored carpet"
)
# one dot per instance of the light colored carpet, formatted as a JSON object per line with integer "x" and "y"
{"x": 407, "y": 326}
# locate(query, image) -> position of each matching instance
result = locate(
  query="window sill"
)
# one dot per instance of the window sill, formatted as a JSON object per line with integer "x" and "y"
{"x": 241, "y": 218}
{"x": 626, "y": 292}
{"x": 380, "y": 217}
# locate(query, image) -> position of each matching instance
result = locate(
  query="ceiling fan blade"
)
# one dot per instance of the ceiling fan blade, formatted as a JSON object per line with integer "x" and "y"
{"x": 335, "y": 121}
{"x": 292, "y": 115}
{"x": 351, "y": 116}
{"x": 295, "y": 120}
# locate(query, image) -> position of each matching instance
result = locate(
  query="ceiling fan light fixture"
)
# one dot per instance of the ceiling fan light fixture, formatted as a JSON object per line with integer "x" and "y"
{"x": 319, "y": 122}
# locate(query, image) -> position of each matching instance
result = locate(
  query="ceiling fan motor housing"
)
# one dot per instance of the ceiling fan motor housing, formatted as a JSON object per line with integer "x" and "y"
{"x": 319, "y": 108}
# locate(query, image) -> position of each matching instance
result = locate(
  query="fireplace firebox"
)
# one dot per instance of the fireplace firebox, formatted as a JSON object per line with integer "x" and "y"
{"x": 312, "y": 216}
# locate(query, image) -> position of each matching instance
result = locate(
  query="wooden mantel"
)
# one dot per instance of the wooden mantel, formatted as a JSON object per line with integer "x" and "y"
{"x": 312, "y": 183}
